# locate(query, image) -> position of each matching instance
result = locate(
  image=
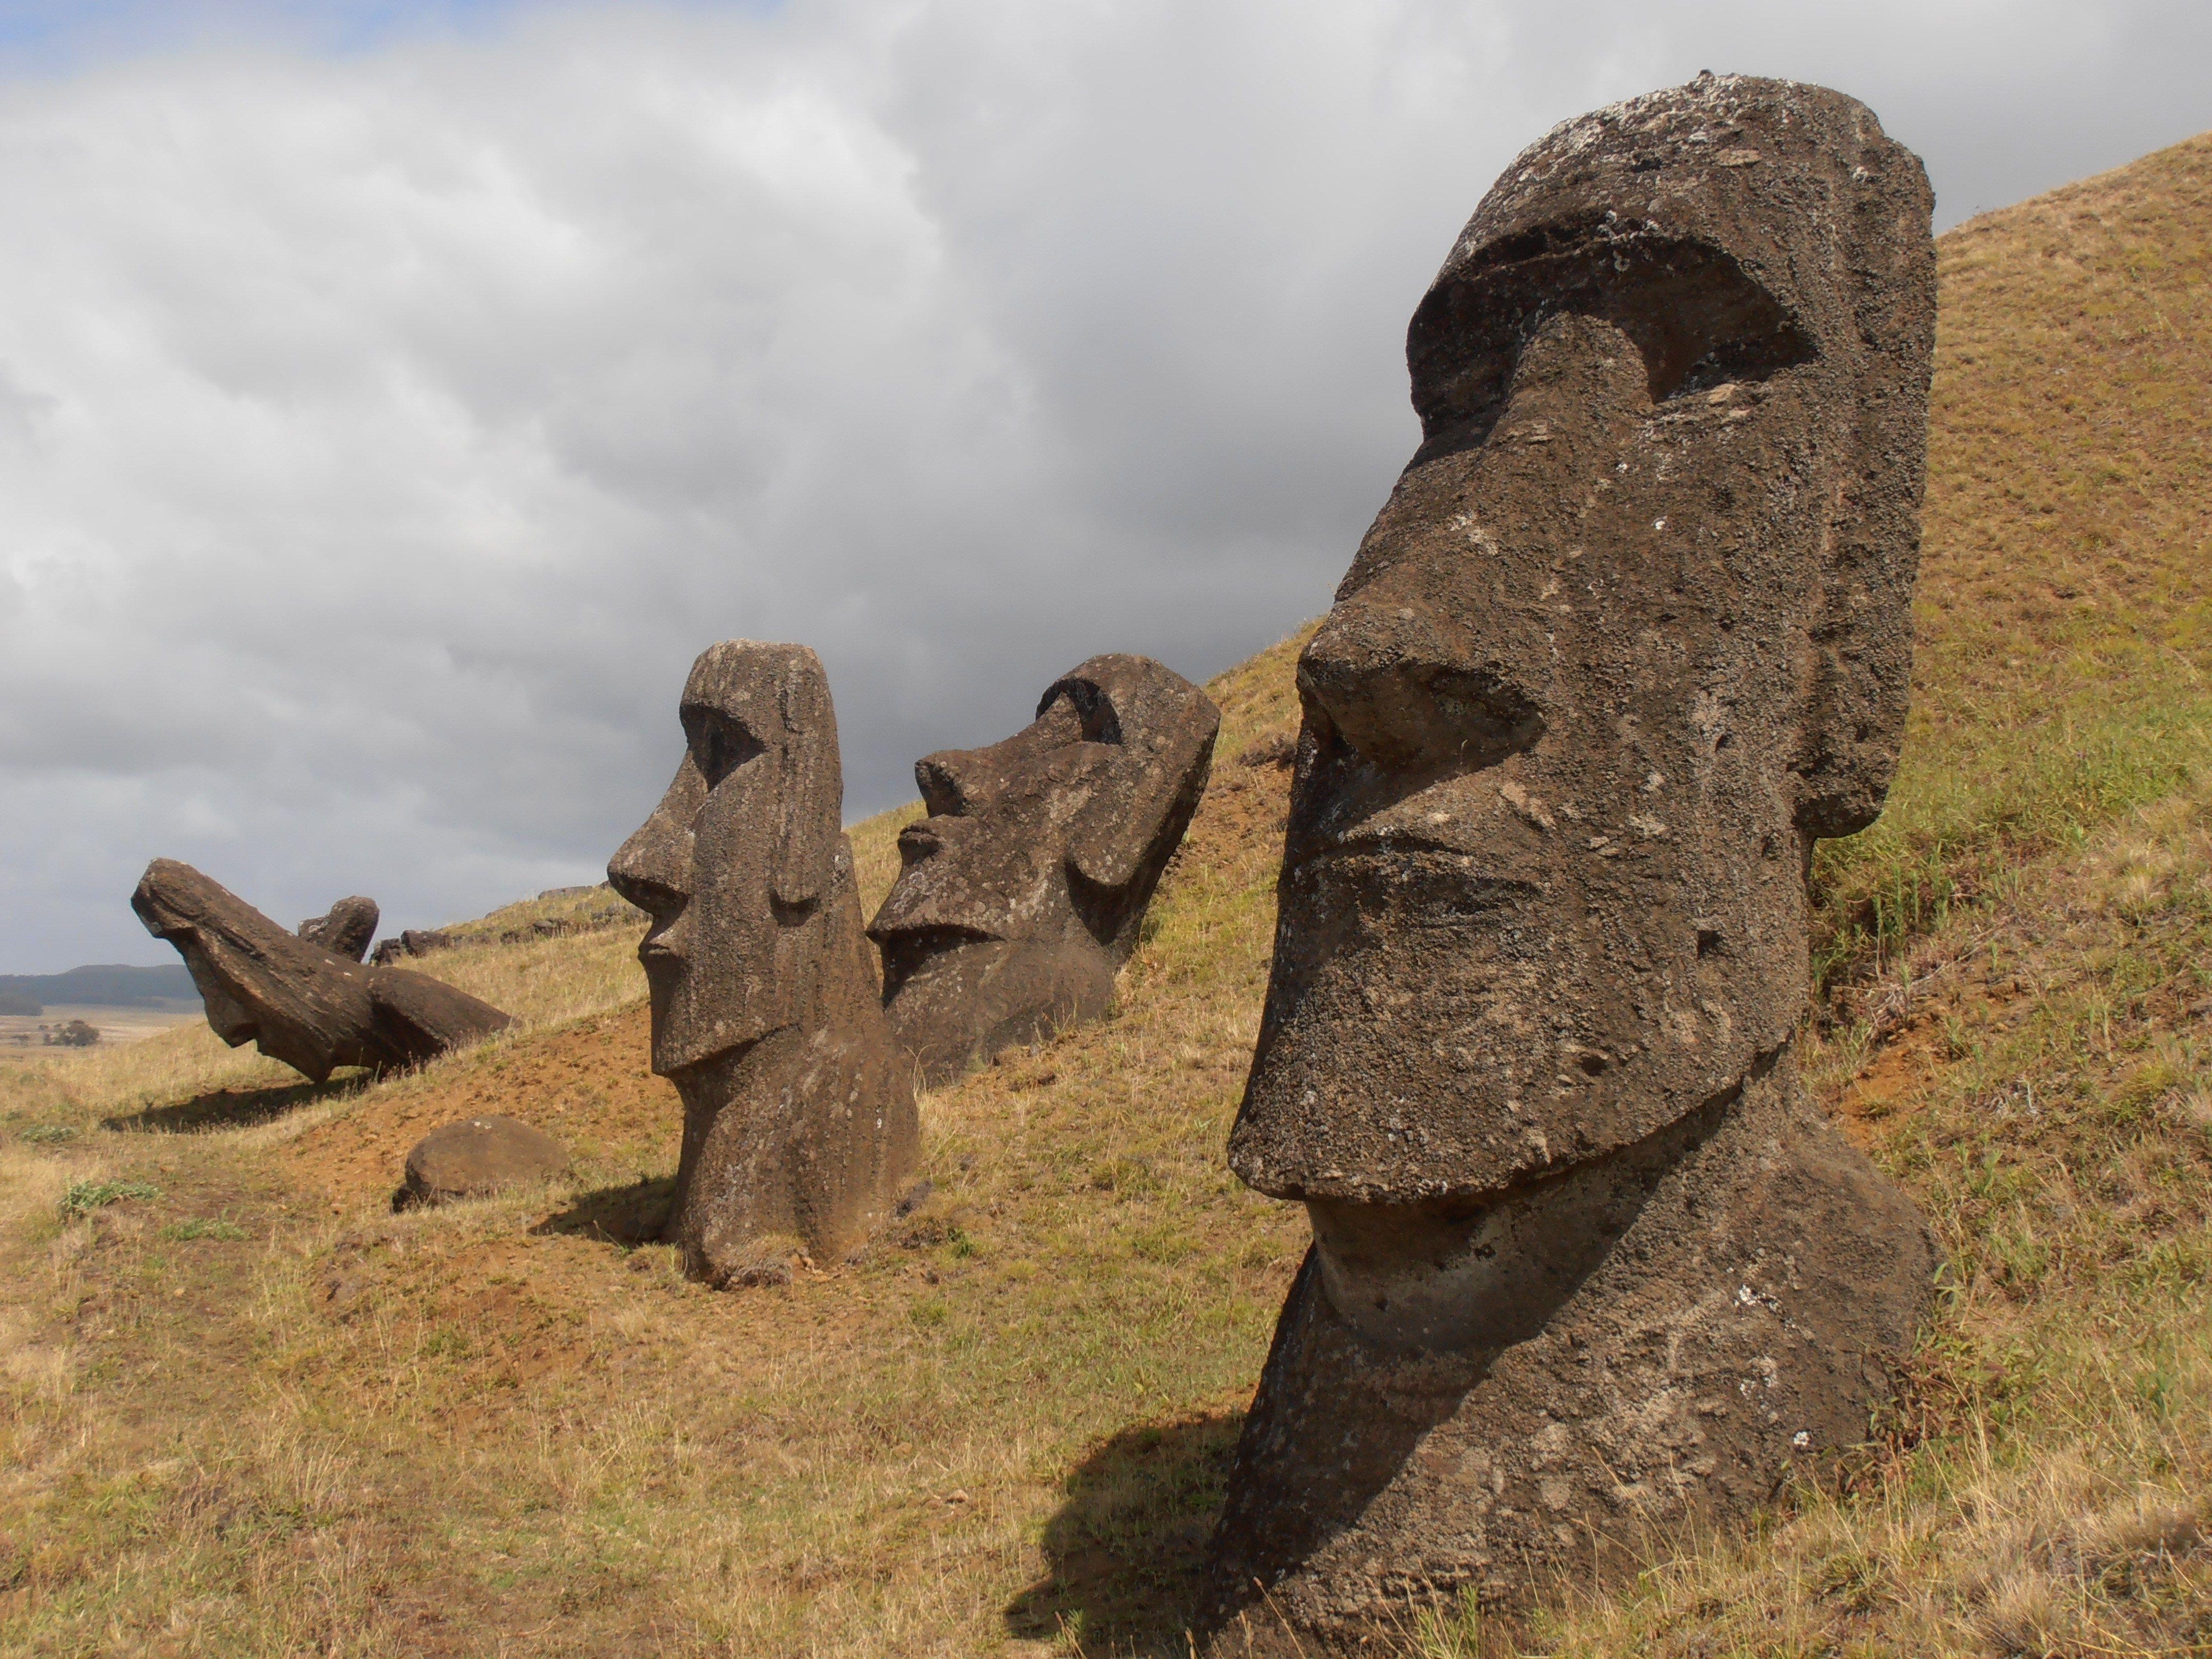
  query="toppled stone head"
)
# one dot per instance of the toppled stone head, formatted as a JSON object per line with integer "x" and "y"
{"x": 1632, "y": 632}
{"x": 301, "y": 1003}
{"x": 1022, "y": 892}
{"x": 799, "y": 1121}
{"x": 346, "y": 929}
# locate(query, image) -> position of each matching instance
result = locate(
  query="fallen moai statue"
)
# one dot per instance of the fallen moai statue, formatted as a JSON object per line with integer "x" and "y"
{"x": 799, "y": 1120}
{"x": 1022, "y": 892}
{"x": 346, "y": 929}
{"x": 309, "y": 1007}
{"x": 1632, "y": 631}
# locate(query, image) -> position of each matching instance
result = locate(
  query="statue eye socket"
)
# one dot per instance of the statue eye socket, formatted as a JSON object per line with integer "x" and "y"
{"x": 1081, "y": 713}
{"x": 1694, "y": 313}
{"x": 720, "y": 742}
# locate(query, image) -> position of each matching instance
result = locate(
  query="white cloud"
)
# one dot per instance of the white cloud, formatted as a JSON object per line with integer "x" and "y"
{"x": 382, "y": 432}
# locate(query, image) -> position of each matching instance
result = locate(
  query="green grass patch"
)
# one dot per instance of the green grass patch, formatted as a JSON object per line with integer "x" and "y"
{"x": 83, "y": 1197}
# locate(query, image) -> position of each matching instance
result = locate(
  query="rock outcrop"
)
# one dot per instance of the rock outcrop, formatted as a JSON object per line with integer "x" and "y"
{"x": 799, "y": 1129}
{"x": 345, "y": 929}
{"x": 309, "y": 1007}
{"x": 410, "y": 942}
{"x": 1022, "y": 892}
{"x": 1632, "y": 631}
{"x": 477, "y": 1157}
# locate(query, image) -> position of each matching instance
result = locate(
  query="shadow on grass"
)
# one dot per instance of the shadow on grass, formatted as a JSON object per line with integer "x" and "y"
{"x": 628, "y": 1215}
{"x": 1127, "y": 1549}
{"x": 234, "y": 1109}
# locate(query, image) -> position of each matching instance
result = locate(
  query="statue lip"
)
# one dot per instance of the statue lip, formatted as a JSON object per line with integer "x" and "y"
{"x": 651, "y": 950}
{"x": 1366, "y": 846}
{"x": 920, "y": 839}
{"x": 939, "y": 935}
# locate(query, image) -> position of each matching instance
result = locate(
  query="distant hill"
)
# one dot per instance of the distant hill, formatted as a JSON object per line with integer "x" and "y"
{"x": 103, "y": 985}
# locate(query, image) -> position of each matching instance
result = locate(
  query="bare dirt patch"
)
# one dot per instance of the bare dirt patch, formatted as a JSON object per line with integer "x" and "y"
{"x": 589, "y": 1084}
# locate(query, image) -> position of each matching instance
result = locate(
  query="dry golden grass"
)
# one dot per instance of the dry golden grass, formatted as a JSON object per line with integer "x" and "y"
{"x": 259, "y": 1415}
{"x": 502, "y": 1423}
{"x": 876, "y": 854}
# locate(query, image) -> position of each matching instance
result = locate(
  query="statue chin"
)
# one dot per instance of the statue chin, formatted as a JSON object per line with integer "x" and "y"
{"x": 959, "y": 1005}
{"x": 1459, "y": 1274}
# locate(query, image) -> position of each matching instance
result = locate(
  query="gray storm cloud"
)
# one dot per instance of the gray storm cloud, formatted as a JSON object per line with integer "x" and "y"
{"x": 382, "y": 432}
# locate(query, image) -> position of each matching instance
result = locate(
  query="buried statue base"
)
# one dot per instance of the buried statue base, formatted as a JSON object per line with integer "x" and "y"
{"x": 797, "y": 1143}
{"x": 1457, "y": 1397}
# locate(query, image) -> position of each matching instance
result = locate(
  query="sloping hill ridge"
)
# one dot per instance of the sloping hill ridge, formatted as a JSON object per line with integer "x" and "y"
{"x": 251, "y": 1412}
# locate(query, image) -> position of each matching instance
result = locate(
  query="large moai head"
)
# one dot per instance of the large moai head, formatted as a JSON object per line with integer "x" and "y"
{"x": 1632, "y": 631}
{"x": 1022, "y": 892}
{"x": 734, "y": 862}
{"x": 346, "y": 929}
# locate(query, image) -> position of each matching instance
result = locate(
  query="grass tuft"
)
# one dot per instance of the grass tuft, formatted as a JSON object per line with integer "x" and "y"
{"x": 83, "y": 1197}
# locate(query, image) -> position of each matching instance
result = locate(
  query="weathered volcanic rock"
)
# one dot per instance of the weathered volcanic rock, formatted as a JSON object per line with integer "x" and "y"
{"x": 346, "y": 929}
{"x": 1632, "y": 631}
{"x": 309, "y": 1007}
{"x": 477, "y": 1157}
{"x": 410, "y": 942}
{"x": 799, "y": 1129}
{"x": 1022, "y": 892}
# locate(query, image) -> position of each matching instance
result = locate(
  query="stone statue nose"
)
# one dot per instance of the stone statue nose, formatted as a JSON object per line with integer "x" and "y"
{"x": 1410, "y": 696}
{"x": 653, "y": 868}
{"x": 953, "y": 782}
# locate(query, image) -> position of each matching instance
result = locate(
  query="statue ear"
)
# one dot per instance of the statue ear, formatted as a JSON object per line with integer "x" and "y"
{"x": 1860, "y": 639}
{"x": 1148, "y": 798}
{"x": 811, "y": 795}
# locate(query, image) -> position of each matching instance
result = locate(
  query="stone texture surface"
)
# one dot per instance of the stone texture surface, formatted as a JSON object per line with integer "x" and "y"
{"x": 799, "y": 1129}
{"x": 477, "y": 1157}
{"x": 410, "y": 942}
{"x": 346, "y": 929}
{"x": 309, "y": 1007}
{"x": 1022, "y": 892}
{"x": 1632, "y": 632}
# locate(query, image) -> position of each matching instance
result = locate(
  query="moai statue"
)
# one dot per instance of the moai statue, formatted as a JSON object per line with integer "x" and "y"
{"x": 298, "y": 1001}
{"x": 1023, "y": 890}
{"x": 346, "y": 929}
{"x": 1631, "y": 633}
{"x": 799, "y": 1121}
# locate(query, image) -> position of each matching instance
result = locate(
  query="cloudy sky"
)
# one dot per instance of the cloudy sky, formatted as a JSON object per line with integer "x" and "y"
{"x": 395, "y": 397}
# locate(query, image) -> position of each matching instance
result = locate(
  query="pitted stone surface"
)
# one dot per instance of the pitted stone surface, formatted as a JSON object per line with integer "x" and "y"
{"x": 346, "y": 929}
{"x": 1022, "y": 893}
{"x": 1632, "y": 631}
{"x": 308, "y": 1006}
{"x": 799, "y": 1129}
{"x": 477, "y": 1157}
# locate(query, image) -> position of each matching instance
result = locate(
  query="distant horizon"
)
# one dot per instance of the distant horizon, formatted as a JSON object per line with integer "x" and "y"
{"x": 21, "y": 982}
{"x": 84, "y": 967}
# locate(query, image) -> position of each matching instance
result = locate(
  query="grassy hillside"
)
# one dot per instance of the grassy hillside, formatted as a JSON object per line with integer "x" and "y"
{"x": 247, "y": 1410}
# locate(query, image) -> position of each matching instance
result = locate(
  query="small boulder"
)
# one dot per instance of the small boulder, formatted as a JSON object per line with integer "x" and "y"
{"x": 346, "y": 929}
{"x": 475, "y": 1157}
